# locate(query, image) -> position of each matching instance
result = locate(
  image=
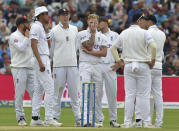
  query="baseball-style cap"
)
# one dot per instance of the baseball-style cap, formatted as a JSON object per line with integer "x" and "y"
{"x": 63, "y": 11}
{"x": 21, "y": 20}
{"x": 155, "y": 0}
{"x": 152, "y": 18}
{"x": 40, "y": 10}
{"x": 135, "y": 2}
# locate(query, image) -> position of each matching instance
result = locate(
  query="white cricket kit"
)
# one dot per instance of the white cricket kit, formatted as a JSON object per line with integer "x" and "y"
{"x": 109, "y": 76}
{"x": 156, "y": 73}
{"x": 22, "y": 69}
{"x": 45, "y": 81}
{"x": 65, "y": 69}
{"x": 134, "y": 42}
{"x": 90, "y": 68}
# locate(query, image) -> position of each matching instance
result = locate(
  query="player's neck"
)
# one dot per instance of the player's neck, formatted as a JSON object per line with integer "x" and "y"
{"x": 105, "y": 30}
{"x": 21, "y": 30}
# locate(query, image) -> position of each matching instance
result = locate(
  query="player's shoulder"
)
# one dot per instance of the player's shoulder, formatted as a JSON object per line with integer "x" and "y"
{"x": 73, "y": 27}
{"x": 14, "y": 35}
{"x": 54, "y": 28}
{"x": 113, "y": 32}
{"x": 35, "y": 27}
{"x": 82, "y": 33}
{"x": 101, "y": 35}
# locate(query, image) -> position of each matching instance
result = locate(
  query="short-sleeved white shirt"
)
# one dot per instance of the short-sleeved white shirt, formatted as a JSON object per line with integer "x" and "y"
{"x": 37, "y": 32}
{"x": 100, "y": 40}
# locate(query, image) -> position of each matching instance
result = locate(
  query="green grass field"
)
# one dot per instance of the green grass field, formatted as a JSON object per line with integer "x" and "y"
{"x": 8, "y": 121}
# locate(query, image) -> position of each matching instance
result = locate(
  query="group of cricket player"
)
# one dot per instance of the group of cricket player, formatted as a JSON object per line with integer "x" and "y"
{"x": 43, "y": 61}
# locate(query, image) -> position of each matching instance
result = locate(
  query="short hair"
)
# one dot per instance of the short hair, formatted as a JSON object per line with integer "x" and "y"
{"x": 136, "y": 17}
{"x": 21, "y": 20}
{"x": 93, "y": 16}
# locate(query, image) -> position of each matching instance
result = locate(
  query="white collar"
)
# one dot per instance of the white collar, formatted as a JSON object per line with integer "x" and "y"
{"x": 61, "y": 25}
{"x": 19, "y": 32}
{"x": 108, "y": 31}
{"x": 39, "y": 23}
{"x": 88, "y": 30}
{"x": 135, "y": 26}
{"x": 153, "y": 26}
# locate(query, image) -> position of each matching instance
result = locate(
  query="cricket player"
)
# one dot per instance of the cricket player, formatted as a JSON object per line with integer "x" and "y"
{"x": 156, "y": 72}
{"x": 137, "y": 76}
{"x": 40, "y": 47}
{"x": 63, "y": 52}
{"x": 21, "y": 66}
{"x": 109, "y": 76}
{"x": 92, "y": 47}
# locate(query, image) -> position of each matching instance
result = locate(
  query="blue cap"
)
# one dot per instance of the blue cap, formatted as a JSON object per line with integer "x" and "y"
{"x": 135, "y": 2}
{"x": 155, "y": 0}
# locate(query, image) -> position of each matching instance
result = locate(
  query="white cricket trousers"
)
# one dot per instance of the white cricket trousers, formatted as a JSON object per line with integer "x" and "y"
{"x": 92, "y": 73}
{"x": 155, "y": 98}
{"x": 137, "y": 87}
{"x": 69, "y": 75}
{"x": 24, "y": 79}
{"x": 156, "y": 91}
{"x": 45, "y": 83}
{"x": 110, "y": 81}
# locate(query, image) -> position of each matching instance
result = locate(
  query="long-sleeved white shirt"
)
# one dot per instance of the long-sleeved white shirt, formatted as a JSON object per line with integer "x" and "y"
{"x": 134, "y": 42}
{"x": 159, "y": 38}
{"x": 21, "y": 52}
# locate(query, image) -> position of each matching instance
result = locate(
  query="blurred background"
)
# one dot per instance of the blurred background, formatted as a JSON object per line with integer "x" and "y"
{"x": 118, "y": 12}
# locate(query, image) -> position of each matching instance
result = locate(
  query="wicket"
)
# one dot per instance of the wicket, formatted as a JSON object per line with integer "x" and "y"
{"x": 89, "y": 86}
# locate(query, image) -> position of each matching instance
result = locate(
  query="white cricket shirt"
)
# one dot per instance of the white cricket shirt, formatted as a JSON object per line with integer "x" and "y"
{"x": 111, "y": 37}
{"x": 159, "y": 38}
{"x": 37, "y": 32}
{"x": 20, "y": 49}
{"x": 63, "y": 48}
{"x": 100, "y": 40}
{"x": 135, "y": 43}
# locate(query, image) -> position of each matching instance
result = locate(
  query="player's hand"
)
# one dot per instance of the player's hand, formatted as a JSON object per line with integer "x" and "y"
{"x": 151, "y": 63}
{"x": 118, "y": 65}
{"x": 42, "y": 67}
{"x": 27, "y": 33}
{"x": 85, "y": 50}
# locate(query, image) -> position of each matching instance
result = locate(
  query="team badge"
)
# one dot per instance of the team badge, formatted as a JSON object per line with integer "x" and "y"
{"x": 98, "y": 39}
{"x": 111, "y": 38}
{"x": 67, "y": 38}
{"x": 16, "y": 40}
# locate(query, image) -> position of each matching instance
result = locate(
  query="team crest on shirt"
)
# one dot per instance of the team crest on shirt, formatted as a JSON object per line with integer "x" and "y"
{"x": 15, "y": 40}
{"x": 98, "y": 39}
{"x": 111, "y": 38}
{"x": 67, "y": 38}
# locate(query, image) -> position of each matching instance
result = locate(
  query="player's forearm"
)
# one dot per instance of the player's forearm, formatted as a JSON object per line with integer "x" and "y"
{"x": 22, "y": 45}
{"x": 49, "y": 44}
{"x": 153, "y": 49}
{"x": 115, "y": 53}
{"x": 101, "y": 53}
{"x": 35, "y": 51}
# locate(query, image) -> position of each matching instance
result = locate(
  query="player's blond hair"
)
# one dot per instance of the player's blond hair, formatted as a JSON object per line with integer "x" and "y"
{"x": 93, "y": 16}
